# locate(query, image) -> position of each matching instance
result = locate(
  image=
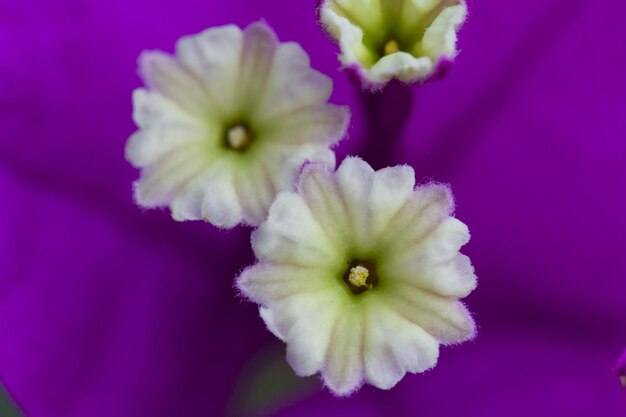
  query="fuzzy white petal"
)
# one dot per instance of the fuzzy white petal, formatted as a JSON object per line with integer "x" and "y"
{"x": 255, "y": 188}
{"x": 319, "y": 188}
{"x": 220, "y": 205}
{"x": 440, "y": 38}
{"x": 391, "y": 189}
{"x": 257, "y": 55}
{"x": 306, "y": 322}
{"x": 355, "y": 178}
{"x": 292, "y": 235}
{"x": 268, "y": 317}
{"x": 365, "y": 13}
{"x": 349, "y": 36}
{"x": 266, "y": 283}
{"x": 393, "y": 346}
{"x": 163, "y": 73}
{"x": 257, "y": 184}
{"x": 308, "y": 340}
{"x": 187, "y": 205}
{"x": 152, "y": 108}
{"x": 163, "y": 181}
{"x": 344, "y": 372}
{"x": 443, "y": 317}
{"x": 165, "y": 127}
{"x": 323, "y": 125}
{"x": 402, "y": 66}
{"x": 291, "y": 160}
{"x": 434, "y": 242}
{"x": 211, "y": 56}
{"x": 424, "y": 211}
{"x": 211, "y": 197}
{"x": 445, "y": 241}
{"x": 371, "y": 198}
{"x": 453, "y": 278}
{"x": 292, "y": 84}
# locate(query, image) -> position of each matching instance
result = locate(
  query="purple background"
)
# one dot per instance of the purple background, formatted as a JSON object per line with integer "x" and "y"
{"x": 108, "y": 310}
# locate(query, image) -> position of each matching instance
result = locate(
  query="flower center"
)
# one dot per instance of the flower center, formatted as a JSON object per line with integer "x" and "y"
{"x": 391, "y": 47}
{"x": 360, "y": 276}
{"x": 238, "y": 137}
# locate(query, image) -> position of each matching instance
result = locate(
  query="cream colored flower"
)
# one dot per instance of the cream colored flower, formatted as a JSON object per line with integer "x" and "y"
{"x": 227, "y": 122}
{"x": 408, "y": 40}
{"x": 360, "y": 274}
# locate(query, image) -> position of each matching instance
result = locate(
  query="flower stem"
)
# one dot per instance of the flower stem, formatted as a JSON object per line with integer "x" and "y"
{"x": 386, "y": 114}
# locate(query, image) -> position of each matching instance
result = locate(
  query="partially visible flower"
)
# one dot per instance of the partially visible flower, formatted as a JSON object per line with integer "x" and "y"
{"x": 409, "y": 40}
{"x": 621, "y": 369}
{"x": 360, "y": 274}
{"x": 227, "y": 122}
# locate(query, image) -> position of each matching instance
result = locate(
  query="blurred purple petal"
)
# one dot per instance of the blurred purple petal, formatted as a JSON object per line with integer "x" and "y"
{"x": 106, "y": 310}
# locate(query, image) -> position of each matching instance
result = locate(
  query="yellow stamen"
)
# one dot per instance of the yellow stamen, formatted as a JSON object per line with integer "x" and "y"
{"x": 358, "y": 276}
{"x": 238, "y": 137}
{"x": 391, "y": 47}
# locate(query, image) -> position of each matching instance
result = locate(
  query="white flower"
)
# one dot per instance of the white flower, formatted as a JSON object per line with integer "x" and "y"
{"x": 227, "y": 122}
{"x": 409, "y": 40}
{"x": 359, "y": 273}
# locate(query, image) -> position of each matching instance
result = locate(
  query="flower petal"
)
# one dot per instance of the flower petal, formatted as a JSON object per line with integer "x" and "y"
{"x": 349, "y": 36}
{"x": 286, "y": 162}
{"x": 257, "y": 55}
{"x": 324, "y": 125}
{"x": 211, "y": 56}
{"x": 163, "y": 73}
{"x": 211, "y": 197}
{"x": 372, "y": 198}
{"x": 255, "y": 188}
{"x": 343, "y": 372}
{"x": 355, "y": 179}
{"x": 444, "y": 318}
{"x": 319, "y": 189}
{"x": 428, "y": 207}
{"x": 159, "y": 184}
{"x": 306, "y": 323}
{"x": 394, "y": 346}
{"x": 292, "y": 83}
{"x": 291, "y": 235}
{"x": 163, "y": 127}
{"x": 440, "y": 38}
{"x": 446, "y": 240}
{"x": 264, "y": 282}
{"x": 451, "y": 278}
{"x": 401, "y": 65}
{"x": 220, "y": 206}
{"x": 391, "y": 189}
{"x": 366, "y": 13}
{"x": 440, "y": 244}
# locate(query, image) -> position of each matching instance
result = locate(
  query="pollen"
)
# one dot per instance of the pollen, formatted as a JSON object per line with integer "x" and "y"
{"x": 358, "y": 276}
{"x": 238, "y": 138}
{"x": 391, "y": 47}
